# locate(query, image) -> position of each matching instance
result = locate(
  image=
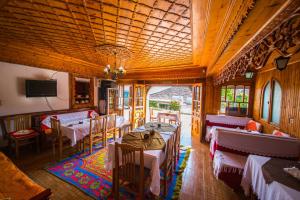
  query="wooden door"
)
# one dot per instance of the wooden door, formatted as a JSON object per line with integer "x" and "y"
{"x": 197, "y": 109}
{"x": 139, "y": 104}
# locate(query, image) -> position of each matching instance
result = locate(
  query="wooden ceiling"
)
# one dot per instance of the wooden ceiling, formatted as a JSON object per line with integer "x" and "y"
{"x": 191, "y": 37}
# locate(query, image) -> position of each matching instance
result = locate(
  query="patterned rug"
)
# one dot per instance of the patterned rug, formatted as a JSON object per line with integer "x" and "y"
{"x": 87, "y": 173}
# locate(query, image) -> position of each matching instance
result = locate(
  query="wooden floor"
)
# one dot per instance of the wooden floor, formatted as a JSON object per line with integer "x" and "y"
{"x": 198, "y": 180}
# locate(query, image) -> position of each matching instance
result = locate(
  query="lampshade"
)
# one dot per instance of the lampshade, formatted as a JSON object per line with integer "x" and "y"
{"x": 249, "y": 74}
{"x": 281, "y": 62}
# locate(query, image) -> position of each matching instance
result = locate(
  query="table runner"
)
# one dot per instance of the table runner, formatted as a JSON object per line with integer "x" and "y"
{"x": 154, "y": 142}
{"x": 273, "y": 171}
{"x": 164, "y": 127}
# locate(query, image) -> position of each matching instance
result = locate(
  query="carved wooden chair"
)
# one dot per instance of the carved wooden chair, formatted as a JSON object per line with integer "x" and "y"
{"x": 97, "y": 131}
{"x": 20, "y": 132}
{"x": 135, "y": 178}
{"x": 167, "y": 165}
{"x": 111, "y": 126}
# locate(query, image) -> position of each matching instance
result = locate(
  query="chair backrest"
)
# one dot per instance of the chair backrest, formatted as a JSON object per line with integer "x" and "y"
{"x": 140, "y": 122}
{"x": 97, "y": 125}
{"x": 177, "y": 136}
{"x": 55, "y": 127}
{"x": 126, "y": 165}
{"x": 169, "y": 151}
{"x": 125, "y": 129}
{"x": 17, "y": 123}
{"x": 111, "y": 122}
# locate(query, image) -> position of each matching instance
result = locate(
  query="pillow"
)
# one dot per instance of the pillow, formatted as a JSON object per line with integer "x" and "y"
{"x": 92, "y": 114}
{"x": 253, "y": 126}
{"x": 280, "y": 134}
{"x": 46, "y": 123}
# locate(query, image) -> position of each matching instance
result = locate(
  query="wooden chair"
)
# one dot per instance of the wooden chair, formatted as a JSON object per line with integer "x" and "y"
{"x": 167, "y": 165}
{"x": 126, "y": 128}
{"x": 111, "y": 126}
{"x": 97, "y": 131}
{"x": 127, "y": 173}
{"x": 20, "y": 132}
{"x": 57, "y": 138}
{"x": 153, "y": 118}
{"x": 140, "y": 122}
{"x": 177, "y": 145}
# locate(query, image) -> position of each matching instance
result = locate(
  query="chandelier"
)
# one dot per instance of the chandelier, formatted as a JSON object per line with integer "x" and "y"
{"x": 119, "y": 54}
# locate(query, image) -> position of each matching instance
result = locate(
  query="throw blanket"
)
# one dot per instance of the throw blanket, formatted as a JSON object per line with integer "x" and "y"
{"x": 153, "y": 142}
{"x": 273, "y": 171}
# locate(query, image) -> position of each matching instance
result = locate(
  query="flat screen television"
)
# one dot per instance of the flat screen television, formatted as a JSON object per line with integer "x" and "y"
{"x": 41, "y": 88}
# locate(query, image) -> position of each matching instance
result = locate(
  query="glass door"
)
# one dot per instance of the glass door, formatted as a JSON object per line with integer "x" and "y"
{"x": 112, "y": 101}
{"x": 127, "y": 102}
{"x": 139, "y": 105}
{"x": 196, "y": 108}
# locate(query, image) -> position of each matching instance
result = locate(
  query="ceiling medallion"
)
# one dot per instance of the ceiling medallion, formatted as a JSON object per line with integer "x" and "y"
{"x": 116, "y": 53}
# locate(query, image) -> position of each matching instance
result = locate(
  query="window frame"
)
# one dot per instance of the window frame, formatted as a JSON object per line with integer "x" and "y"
{"x": 235, "y": 87}
{"x": 270, "y": 105}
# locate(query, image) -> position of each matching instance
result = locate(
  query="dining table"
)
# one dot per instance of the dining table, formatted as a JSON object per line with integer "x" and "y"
{"x": 254, "y": 179}
{"x": 153, "y": 155}
{"x": 77, "y": 130}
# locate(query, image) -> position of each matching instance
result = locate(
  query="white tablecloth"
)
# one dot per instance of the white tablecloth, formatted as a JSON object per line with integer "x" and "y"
{"x": 253, "y": 176}
{"x": 77, "y": 131}
{"x": 254, "y": 143}
{"x": 152, "y": 160}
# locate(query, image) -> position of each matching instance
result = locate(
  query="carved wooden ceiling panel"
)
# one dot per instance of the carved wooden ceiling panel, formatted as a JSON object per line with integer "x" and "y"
{"x": 157, "y": 32}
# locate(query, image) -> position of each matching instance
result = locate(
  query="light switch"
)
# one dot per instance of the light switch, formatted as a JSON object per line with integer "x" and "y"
{"x": 291, "y": 120}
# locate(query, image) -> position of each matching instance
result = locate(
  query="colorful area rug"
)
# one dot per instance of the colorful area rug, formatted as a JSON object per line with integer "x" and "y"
{"x": 87, "y": 173}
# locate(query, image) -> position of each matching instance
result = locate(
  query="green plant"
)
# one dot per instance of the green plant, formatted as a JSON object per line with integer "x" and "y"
{"x": 153, "y": 104}
{"x": 175, "y": 105}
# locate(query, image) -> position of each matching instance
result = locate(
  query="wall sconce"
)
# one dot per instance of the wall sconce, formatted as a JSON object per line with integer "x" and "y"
{"x": 281, "y": 62}
{"x": 249, "y": 74}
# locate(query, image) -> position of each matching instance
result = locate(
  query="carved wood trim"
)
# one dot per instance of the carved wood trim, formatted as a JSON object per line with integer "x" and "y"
{"x": 282, "y": 35}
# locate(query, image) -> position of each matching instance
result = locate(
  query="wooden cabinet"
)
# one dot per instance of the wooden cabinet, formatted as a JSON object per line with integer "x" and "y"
{"x": 81, "y": 91}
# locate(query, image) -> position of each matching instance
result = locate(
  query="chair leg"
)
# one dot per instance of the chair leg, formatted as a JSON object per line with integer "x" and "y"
{"x": 60, "y": 148}
{"x": 83, "y": 144}
{"x": 9, "y": 145}
{"x": 37, "y": 144}
{"x": 17, "y": 148}
{"x": 165, "y": 185}
{"x": 91, "y": 146}
{"x": 53, "y": 150}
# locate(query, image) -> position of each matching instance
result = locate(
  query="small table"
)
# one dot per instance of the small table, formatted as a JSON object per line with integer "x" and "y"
{"x": 253, "y": 176}
{"x": 170, "y": 116}
{"x": 152, "y": 159}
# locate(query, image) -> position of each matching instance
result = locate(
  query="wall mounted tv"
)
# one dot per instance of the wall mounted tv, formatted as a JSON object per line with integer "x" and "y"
{"x": 41, "y": 88}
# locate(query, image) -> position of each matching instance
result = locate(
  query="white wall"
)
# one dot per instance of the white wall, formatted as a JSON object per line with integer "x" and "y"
{"x": 12, "y": 89}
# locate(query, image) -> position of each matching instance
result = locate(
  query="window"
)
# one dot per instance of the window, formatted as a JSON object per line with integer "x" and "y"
{"x": 235, "y": 100}
{"x": 271, "y": 103}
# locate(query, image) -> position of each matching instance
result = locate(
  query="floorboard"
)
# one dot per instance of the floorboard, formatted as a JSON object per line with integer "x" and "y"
{"x": 198, "y": 180}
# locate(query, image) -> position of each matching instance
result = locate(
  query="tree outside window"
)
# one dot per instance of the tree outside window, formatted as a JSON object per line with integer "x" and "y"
{"x": 235, "y": 100}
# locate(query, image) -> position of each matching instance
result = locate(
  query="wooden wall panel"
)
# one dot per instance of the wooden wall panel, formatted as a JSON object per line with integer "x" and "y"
{"x": 290, "y": 109}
